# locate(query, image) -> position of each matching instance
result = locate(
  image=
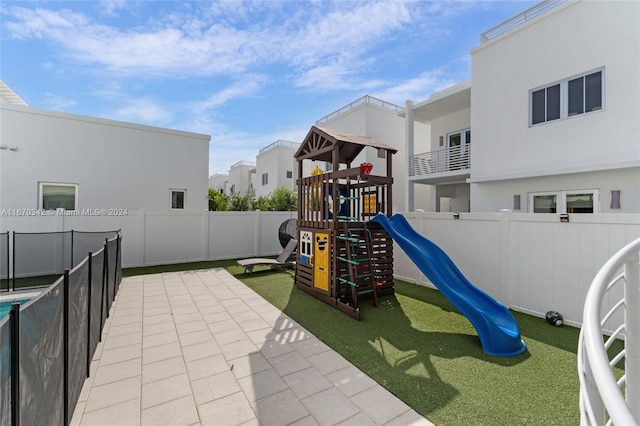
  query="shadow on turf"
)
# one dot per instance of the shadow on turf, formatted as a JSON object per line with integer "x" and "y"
{"x": 384, "y": 344}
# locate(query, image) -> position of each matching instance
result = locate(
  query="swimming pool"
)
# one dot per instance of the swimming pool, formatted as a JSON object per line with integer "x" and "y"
{"x": 5, "y": 306}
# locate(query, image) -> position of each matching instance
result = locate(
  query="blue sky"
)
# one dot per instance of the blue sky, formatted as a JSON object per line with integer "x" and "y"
{"x": 246, "y": 73}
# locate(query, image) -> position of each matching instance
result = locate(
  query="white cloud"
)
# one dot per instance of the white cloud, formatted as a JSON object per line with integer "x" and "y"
{"x": 143, "y": 110}
{"x": 229, "y": 147}
{"x": 57, "y": 102}
{"x": 111, "y": 7}
{"x": 247, "y": 86}
{"x": 417, "y": 88}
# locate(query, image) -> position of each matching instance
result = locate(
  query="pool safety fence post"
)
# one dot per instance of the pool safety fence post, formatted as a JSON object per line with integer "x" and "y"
{"x": 13, "y": 280}
{"x": 8, "y": 247}
{"x": 89, "y": 272}
{"x": 72, "y": 264}
{"x": 117, "y": 266}
{"x": 15, "y": 364}
{"x": 106, "y": 274}
{"x": 65, "y": 347}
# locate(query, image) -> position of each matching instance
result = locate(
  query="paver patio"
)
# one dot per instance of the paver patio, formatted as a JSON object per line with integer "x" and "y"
{"x": 201, "y": 348}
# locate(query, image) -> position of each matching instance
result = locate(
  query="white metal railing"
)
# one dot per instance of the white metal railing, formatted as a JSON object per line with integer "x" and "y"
{"x": 278, "y": 143}
{"x": 363, "y": 100}
{"x": 441, "y": 161}
{"x": 519, "y": 19}
{"x": 243, "y": 163}
{"x": 603, "y": 398}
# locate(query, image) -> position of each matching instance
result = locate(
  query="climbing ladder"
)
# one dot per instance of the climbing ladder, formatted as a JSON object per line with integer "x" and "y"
{"x": 357, "y": 256}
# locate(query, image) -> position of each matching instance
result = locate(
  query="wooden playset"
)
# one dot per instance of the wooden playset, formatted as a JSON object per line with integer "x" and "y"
{"x": 342, "y": 257}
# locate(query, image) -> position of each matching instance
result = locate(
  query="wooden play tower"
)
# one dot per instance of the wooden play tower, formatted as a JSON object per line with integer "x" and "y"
{"x": 342, "y": 257}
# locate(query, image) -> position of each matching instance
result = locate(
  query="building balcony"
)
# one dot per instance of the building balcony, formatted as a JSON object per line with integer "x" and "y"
{"x": 447, "y": 165}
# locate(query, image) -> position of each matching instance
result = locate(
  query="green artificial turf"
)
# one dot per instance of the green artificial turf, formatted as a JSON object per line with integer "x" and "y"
{"x": 421, "y": 349}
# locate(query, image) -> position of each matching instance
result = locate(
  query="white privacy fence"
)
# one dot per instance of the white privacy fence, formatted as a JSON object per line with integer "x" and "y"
{"x": 530, "y": 262}
{"x": 154, "y": 238}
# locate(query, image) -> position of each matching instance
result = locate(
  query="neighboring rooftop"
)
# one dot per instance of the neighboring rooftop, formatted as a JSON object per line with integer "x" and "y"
{"x": 279, "y": 142}
{"x": 8, "y": 95}
{"x": 519, "y": 19}
{"x": 243, "y": 163}
{"x": 361, "y": 101}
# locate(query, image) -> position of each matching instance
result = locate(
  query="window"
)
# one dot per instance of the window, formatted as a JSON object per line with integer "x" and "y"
{"x": 545, "y": 104}
{"x": 58, "y": 196}
{"x": 567, "y": 98}
{"x": 289, "y": 174}
{"x": 265, "y": 178}
{"x": 382, "y": 153}
{"x": 585, "y": 94}
{"x": 582, "y": 201}
{"x": 178, "y": 199}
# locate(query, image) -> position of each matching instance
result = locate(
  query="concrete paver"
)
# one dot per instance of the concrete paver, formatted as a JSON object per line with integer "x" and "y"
{"x": 200, "y": 348}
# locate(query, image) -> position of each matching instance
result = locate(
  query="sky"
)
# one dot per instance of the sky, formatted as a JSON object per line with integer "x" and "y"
{"x": 245, "y": 73}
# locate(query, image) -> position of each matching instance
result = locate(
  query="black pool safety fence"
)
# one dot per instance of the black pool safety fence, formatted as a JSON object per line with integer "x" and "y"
{"x": 32, "y": 259}
{"x": 47, "y": 344}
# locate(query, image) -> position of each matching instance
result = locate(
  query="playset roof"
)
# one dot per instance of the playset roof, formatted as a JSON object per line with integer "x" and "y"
{"x": 320, "y": 143}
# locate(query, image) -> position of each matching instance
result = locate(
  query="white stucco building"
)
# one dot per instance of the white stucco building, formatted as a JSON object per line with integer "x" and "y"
{"x": 242, "y": 178}
{"x": 51, "y": 160}
{"x": 378, "y": 119}
{"x": 276, "y": 167}
{"x": 553, "y": 118}
{"x": 219, "y": 182}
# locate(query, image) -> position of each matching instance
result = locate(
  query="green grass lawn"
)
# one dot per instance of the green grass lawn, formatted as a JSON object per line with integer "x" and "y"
{"x": 421, "y": 349}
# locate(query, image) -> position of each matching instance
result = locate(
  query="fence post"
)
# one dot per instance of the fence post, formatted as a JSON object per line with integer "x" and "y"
{"x": 8, "y": 247}
{"x": 257, "y": 233}
{"x": 65, "y": 347}
{"x": 105, "y": 278}
{"x": 90, "y": 271}
{"x": 632, "y": 334}
{"x": 13, "y": 267}
{"x": 15, "y": 364}
{"x": 205, "y": 234}
{"x": 505, "y": 256}
{"x": 141, "y": 237}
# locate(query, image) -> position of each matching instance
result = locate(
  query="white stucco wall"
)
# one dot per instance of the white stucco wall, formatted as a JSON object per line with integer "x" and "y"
{"x": 387, "y": 127}
{"x": 573, "y": 39}
{"x": 493, "y": 196}
{"x": 115, "y": 164}
{"x": 276, "y": 162}
{"x": 241, "y": 178}
{"x": 443, "y": 126}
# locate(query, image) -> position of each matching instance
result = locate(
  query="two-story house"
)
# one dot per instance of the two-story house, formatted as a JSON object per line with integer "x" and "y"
{"x": 275, "y": 167}
{"x": 51, "y": 160}
{"x": 552, "y": 109}
{"x": 380, "y": 120}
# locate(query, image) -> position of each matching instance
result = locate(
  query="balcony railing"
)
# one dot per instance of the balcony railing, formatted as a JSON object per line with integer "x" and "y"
{"x": 363, "y": 100}
{"x": 603, "y": 398}
{"x": 243, "y": 163}
{"x": 441, "y": 161}
{"x": 279, "y": 142}
{"x": 519, "y": 19}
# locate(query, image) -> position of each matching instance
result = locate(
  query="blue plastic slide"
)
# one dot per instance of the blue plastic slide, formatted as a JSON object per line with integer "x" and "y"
{"x": 497, "y": 328}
